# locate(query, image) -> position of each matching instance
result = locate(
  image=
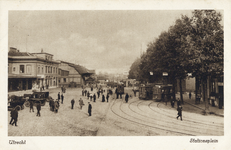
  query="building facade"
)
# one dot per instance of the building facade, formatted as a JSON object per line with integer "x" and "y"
{"x": 31, "y": 70}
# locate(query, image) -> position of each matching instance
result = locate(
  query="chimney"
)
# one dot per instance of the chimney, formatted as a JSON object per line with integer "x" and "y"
{"x": 14, "y": 50}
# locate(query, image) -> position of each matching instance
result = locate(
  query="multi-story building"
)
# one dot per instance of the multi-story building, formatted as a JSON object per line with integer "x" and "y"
{"x": 31, "y": 70}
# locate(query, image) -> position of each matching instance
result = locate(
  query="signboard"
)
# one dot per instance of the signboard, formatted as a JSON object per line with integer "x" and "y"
{"x": 165, "y": 74}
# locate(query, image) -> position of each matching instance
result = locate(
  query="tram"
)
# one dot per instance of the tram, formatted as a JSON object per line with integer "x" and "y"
{"x": 155, "y": 91}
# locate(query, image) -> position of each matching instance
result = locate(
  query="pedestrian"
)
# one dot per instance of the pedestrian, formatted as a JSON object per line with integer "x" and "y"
{"x": 62, "y": 97}
{"x": 72, "y": 103}
{"x": 81, "y": 103}
{"x": 179, "y": 110}
{"x": 58, "y": 96}
{"x": 126, "y": 97}
{"x": 62, "y": 88}
{"x": 94, "y": 97}
{"x": 103, "y": 98}
{"x": 117, "y": 94}
{"x": 89, "y": 108}
{"x": 38, "y": 109}
{"x": 91, "y": 96}
{"x": 15, "y": 115}
{"x": 11, "y": 115}
{"x": 31, "y": 106}
{"x": 91, "y": 88}
{"x": 190, "y": 94}
{"x": 51, "y": 104}
{"x": 88, "y": 94}
{"x": 107, "y": 97}
{"x": 83, "y": 92}
{"x": 56, "y": 106}
{"x": 134, "y": 92}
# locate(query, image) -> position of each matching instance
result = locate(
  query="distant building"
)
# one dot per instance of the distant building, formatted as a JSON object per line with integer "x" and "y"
{"x": 76, "y": 77}
{"x": 31, "y": 70}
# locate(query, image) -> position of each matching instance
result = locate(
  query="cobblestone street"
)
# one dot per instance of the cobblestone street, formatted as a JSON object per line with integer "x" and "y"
{"x": 115, "y": 118}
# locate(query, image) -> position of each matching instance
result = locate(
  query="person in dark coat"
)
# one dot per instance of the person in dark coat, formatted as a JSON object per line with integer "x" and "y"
{"x": 126, "y": 97}
{"x": 56, "y": 106}
{"x": 107, "y": 97}
{"x": 179, "y": 110}
{"x": 134, "y": 93}
{"x": 58, "y": 96}
{"x": 94, "y": 97}
{"x": 190, "y": 95}
{"x": 83, "y": 92}
{"x": 103, "y": 98}
{"x": 72, "y": 103}
{"x": 51, "y": 104}
{"x": 89, "y": 108}
{"x": 31, "y": 106}
{"x": 38, "y": 109}
{"x": 15, "y": 116}
{"x": 62, "y": 97}
{"x": 11, "y": 115}
{"x": 117, "y": 94}
{"x": 88, "y": 95}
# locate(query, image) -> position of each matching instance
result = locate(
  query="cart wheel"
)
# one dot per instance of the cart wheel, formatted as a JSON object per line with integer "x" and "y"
{"x": 27, "y": 103}
{"x": 18, "y": 107}
{"x": 22, "y": 107}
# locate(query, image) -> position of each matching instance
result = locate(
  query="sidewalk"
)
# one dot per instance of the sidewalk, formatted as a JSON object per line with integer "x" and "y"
{"x": 212, "y": 110}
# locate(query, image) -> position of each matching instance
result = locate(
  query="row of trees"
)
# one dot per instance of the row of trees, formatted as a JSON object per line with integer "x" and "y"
{"x": 192, "y": 45}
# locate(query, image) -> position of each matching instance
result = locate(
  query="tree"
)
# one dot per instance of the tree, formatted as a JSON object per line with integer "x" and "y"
{"x": 207, "y": 49}
{"x": 134, "y": 70}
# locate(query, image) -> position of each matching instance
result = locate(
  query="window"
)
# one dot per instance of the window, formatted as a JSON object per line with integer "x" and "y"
{"x": 38, "y": 69}
{"x": 53, "y": 69}
{"x": 46, "y": 69}
{"x": 22, "y": 69}
{"x": 14, "y": 69}
{"x": 56, "y": 70}
{"x": 42, "y": 69}
{"x": 64, "y": 79}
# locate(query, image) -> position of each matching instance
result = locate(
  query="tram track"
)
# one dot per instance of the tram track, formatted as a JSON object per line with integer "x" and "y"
{"x": 191, "y": 119}
{"x": 142, "y": 124}
{"x": 168, "y": 122}
{"x": 203, "y": 130}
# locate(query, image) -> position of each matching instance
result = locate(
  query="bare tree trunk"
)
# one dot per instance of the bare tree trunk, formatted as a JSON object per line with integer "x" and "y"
{"x": 181, "y": 93}
{"x": 174, "y": 88}
{"x": 205, "y": 95}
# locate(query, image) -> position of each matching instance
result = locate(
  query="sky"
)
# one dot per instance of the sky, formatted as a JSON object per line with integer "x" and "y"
{"x": 103, "y": 40}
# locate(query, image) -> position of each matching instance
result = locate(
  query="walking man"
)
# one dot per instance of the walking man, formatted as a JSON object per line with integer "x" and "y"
{"x": 15, "y": 116}
{"x": 94, "y": 97}
{"x": 103, "y": 98}
{"x": 190, "y": 94}
{"x": 178, "y": 102}
{"x": 107, "y": 96}
{"x": 56, "y": 106}
{"x": 11, "y": 115}
{"x": 81, "y": 103}
{"x": 179, "y": 110}
{"x": 89, "y": 108}
{"x": 31, "y": 106}
{"x": 58, "y": 96}
{"x": 62, "y": 98}
{"x": 72, "y": 103}
{"x": 38, "y": 109}
{"x": 126, "y": 97}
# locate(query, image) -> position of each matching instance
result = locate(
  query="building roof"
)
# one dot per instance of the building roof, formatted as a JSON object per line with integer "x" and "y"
{"x": 80, "y": 69}
{"x": 12, "y": 53}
